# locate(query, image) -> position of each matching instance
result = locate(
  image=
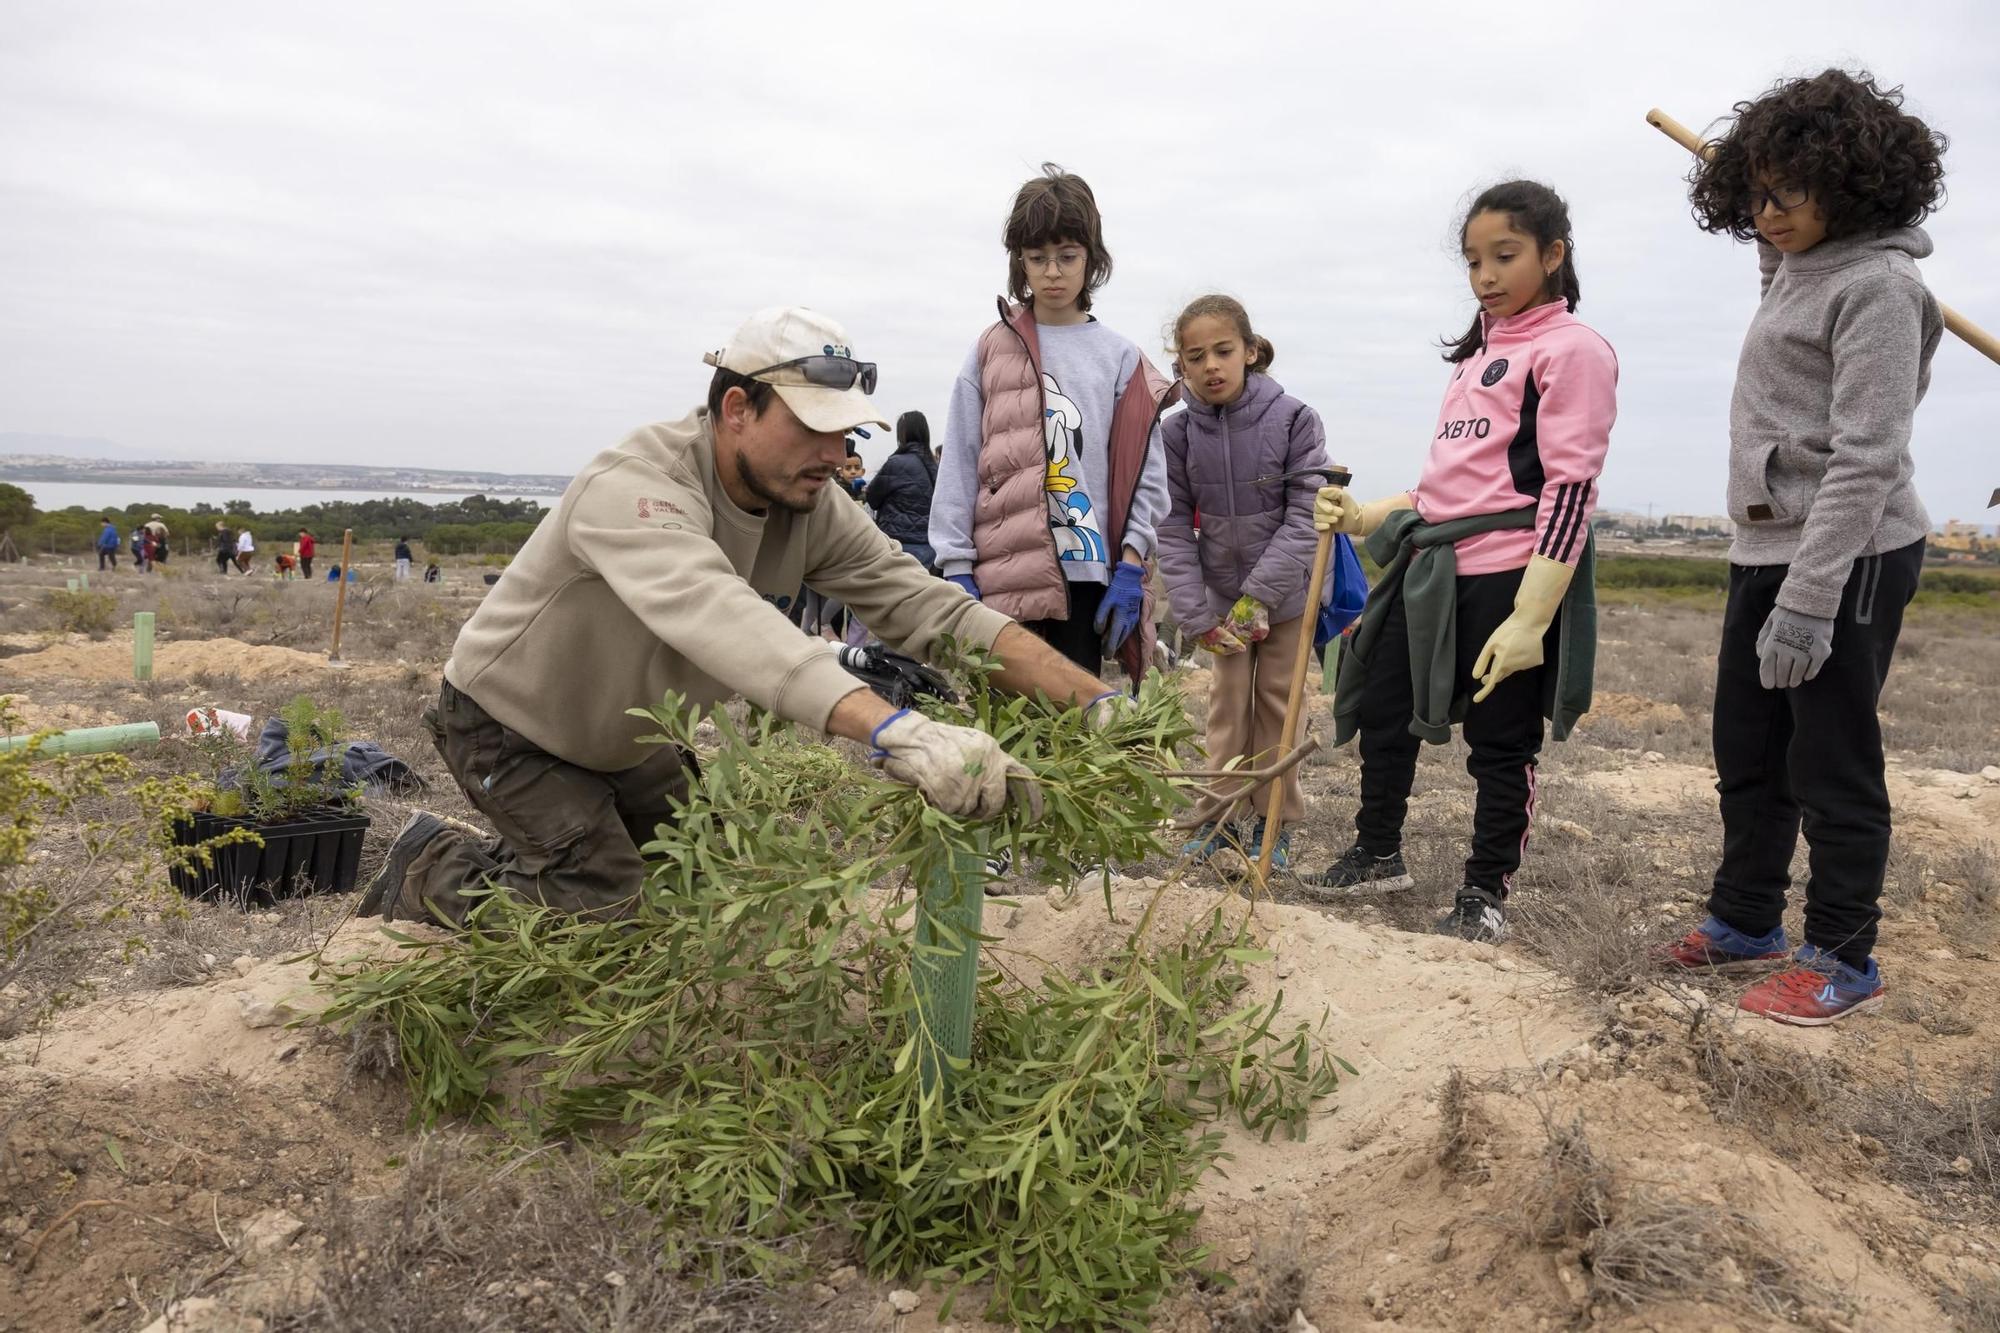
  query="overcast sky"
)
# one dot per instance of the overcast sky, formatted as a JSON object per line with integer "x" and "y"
{"x": 500, "y": 235}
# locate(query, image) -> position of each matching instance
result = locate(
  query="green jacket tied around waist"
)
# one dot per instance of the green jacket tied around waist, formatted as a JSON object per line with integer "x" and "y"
{"x": 1420, "y": 565}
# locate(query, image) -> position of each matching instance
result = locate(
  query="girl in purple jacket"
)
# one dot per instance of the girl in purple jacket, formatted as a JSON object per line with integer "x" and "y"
{"x": 1240, "y": 586}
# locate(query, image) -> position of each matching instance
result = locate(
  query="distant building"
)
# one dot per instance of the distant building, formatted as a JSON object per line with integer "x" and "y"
{"x": 1964, "y": 538}
{"x": 1701, "y": 525}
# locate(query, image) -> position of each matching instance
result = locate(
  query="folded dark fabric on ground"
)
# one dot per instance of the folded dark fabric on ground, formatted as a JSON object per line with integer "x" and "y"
{"x": 364, "y": 762}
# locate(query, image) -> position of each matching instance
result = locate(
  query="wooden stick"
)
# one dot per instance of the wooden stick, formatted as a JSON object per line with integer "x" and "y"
{"x": 340, "y": 593}
{"x": 1975, "y": 337}
{"x": 1322, "y": 553}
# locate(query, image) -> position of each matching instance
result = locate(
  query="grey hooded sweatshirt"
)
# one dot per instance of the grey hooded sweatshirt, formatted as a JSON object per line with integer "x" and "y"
{"x": 1836, "y": 360}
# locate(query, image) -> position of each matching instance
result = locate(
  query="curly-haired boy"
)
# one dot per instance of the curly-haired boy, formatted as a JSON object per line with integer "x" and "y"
{"x": 1831, "y": 177}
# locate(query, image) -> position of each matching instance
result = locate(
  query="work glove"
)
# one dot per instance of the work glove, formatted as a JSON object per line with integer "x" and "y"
{"x": 960, "y": 770}
{"x": 1124, "y": 601}
{"x": 1334, "y": 510}
{"x": 1103, "y": 712}
{"x": 1250, "y": 620}
{"x": 1517, "y": 644}
{"x": 1220, "y": 641}
{"x": 965, "y": 582}
{"x": 1792, "y": 647}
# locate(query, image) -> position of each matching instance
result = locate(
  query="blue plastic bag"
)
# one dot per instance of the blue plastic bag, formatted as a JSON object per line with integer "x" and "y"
{"x": 1344, "y": 600}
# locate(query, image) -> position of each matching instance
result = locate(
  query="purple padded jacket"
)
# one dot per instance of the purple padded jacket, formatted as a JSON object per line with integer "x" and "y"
{"x": 1256, "y": 536}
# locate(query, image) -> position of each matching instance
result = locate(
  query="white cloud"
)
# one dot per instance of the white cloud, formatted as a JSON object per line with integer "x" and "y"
{"x": 501, "y": 235}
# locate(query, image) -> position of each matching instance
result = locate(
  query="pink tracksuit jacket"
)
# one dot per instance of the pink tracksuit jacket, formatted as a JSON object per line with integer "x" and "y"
{"x": 1525, "y": 420}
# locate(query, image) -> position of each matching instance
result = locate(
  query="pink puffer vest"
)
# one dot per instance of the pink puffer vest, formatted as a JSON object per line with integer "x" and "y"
{"x": 1015, "y": 561}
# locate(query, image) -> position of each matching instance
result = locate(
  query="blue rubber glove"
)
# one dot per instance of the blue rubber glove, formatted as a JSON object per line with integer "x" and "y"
{"x": 965, "y": 581}
{"x": 1118, "y": 614}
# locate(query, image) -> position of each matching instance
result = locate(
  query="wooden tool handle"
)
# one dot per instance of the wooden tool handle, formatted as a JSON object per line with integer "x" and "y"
{"x": 1679, "y": 133}
{"x": 1975, "y": 337}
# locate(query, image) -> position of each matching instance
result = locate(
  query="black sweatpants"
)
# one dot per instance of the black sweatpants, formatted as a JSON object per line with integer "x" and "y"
{"x": 1075, "y": 636}
{"x": 1505, "y": 734}
{"x": 1808, "y": 756}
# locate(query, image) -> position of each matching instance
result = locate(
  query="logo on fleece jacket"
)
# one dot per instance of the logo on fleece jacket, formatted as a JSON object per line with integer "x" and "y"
{"x": 1496, "y": 371}
{"x": 1072, "y": 517}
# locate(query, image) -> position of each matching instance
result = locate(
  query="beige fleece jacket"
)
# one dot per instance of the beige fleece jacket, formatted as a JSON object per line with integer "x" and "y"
{"x": 648, "y": 578}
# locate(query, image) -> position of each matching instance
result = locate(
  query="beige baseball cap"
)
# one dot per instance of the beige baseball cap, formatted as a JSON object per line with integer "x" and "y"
{"x": 799, "y": 353}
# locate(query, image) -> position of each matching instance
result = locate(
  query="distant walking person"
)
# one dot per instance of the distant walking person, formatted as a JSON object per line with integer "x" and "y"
{"x": 307, "y": 548}
{"x": 402, "y": 558}
{"x": 225, "y": 548}
{"x": 158, "y": 530}
{"x": 900, "y": 494}
{"x": 107, "y": 546}
{"x": 246, "y": 547}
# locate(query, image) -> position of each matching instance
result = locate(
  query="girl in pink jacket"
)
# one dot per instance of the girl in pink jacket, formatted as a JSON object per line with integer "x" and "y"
{"x": 1509, "y": 489}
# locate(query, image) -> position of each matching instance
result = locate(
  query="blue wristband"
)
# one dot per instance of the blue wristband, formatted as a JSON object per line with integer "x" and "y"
{"x": 875, "y": 751}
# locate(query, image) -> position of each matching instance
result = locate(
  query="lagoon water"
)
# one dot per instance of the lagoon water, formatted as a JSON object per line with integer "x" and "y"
{"x": 54, "y": 495}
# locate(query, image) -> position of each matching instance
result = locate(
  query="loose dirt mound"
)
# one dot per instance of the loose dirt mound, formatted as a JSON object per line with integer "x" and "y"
{"x": 111, "y": 660}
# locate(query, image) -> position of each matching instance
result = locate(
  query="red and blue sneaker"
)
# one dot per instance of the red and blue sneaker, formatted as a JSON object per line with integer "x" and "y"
{"x": 1718, "y": 945}
{"x": 1819, "y": 990}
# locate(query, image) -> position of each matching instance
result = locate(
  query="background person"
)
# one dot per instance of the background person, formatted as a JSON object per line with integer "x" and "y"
{"x": 307, "y": 549}
{"x": 246, "y": 549}
{"x": 225, "y": 547}
{"x": 900, "y": 493}
{"x": 403, "y": 558}
{"x": 107, "y": 544}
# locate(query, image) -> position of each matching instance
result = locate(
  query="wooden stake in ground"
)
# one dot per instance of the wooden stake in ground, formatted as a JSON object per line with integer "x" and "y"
{"x": 1977, "y": 338}
{"x": 340, "y": 594}
{"x": 1322, "y": 553}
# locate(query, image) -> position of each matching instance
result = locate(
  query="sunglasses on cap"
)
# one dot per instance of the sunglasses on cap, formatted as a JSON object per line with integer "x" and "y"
{"x": 816, "y": 372}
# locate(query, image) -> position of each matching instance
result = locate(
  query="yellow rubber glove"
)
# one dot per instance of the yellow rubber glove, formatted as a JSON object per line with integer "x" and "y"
{"x": 1334, "y": 510}
{"x": 1517, "y": 644}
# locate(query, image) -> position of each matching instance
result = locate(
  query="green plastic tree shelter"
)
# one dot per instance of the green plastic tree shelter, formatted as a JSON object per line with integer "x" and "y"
{"x": 89, "y": 740}
{"x": 142, "y": 645}
{"x": 947, "y": 964}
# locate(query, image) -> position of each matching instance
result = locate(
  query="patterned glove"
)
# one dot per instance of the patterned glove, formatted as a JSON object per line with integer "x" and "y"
{"x": 1249, "y": 620}
{"x": 1220, "y": 641}
{"x": 1118, "y": 614}
{"x": 1791, "y": 648}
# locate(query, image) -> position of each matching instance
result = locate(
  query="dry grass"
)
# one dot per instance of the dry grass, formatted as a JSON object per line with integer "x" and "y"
{"x": 1267, "y": 1291}
{"x": 1943, "y": 1144}
{"x": 1462, "y": 1130}
{"x": 1659, "y": 1248}
{"x": 463, "y": 1241}
{"x": 1641, "y": 1246}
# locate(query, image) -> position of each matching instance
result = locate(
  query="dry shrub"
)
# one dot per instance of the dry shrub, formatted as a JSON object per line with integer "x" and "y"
{"x": 1586, "y": 911}
{"x": 1944, "y": 1146}
{"x": 1569, "y": 1196}
{"x": 1788, "y": 1099}
{"x": 1641, "y": 1246}
{"x": 1973, "y": 871}
{"x": 1658, "y": 1248}
{"x": 1268, "y": 1292}
{"x": 82, "y": 611}
{"x": 1977, "y": 1308}
{"x": 1462, "y": 1129}
{"x": 536, "y": 1242}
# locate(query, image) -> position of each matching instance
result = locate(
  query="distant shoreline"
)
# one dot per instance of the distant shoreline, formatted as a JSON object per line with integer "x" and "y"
{"x": 358, "y": 480}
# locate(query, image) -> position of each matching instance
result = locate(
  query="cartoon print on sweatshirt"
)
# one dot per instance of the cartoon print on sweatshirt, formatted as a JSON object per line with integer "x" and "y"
{"x": 1072, "y": 517}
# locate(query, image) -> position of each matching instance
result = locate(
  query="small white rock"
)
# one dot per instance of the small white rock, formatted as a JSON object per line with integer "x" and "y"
{"x": 1301, "y": 1324}
{"x": 903, "y": 1302}
{"x": 1653, "y": 757}
{"x": 244, "y": 964}
{"x": 270, "y": 1231}
{"x": 261, "y": 1013}
{"x": 614, "y": 1279}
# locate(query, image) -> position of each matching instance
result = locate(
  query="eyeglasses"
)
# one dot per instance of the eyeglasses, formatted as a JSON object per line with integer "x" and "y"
{"x": 1783, "y": 198}
{"x": 817, "y": 372}
{"x": 1062, "y": 262}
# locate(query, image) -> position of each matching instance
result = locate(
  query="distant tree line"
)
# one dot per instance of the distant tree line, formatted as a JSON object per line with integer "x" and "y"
{"x": 474, "y": 525}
